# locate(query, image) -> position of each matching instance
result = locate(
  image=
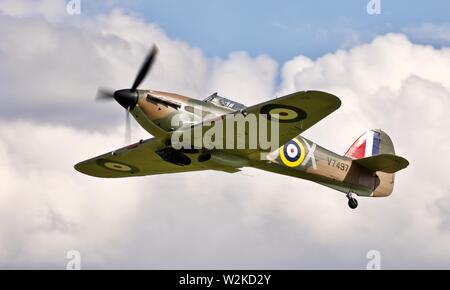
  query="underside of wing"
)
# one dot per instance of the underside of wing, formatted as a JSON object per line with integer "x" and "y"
{"x": 148, "y": 157}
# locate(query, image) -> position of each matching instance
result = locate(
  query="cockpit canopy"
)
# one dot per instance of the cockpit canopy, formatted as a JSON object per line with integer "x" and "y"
{"x": 219, "y": 101}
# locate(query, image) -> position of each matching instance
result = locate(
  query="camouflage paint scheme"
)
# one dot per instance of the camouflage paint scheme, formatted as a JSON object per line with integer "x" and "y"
{"x": 368, "y": 176}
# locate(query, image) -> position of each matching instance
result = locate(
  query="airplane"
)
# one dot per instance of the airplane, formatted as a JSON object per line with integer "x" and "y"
{"x": 367, "y": 169}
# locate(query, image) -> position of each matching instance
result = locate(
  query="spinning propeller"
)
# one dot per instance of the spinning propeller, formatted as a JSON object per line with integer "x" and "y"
{"x": 128, "y": 98}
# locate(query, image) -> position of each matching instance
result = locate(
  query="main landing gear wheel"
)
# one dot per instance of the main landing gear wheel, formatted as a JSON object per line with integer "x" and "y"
{"x": 352, "y": 202}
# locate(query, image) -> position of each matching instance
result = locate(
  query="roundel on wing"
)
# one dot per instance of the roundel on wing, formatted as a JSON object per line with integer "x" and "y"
{"x": 283, "y": 113}
{"x": 292, "y": 153}
{"x": 117, "y": 166}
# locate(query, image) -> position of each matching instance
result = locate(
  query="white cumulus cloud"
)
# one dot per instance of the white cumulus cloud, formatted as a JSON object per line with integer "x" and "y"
{"x": 50, "y": 68}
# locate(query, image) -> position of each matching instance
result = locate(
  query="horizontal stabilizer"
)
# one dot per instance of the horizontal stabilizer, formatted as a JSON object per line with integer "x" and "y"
{"x": 388, "y": 163}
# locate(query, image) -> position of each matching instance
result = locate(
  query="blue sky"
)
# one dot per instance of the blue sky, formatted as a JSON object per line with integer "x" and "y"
{"x": 283, "y": 29}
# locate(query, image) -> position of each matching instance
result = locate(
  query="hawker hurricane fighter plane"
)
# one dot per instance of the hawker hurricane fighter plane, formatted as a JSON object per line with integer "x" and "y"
{"x": 367, "y": 169}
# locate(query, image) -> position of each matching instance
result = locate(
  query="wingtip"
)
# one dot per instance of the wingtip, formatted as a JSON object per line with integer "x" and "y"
{"x": 336, "y": 99}
{"x": 79, "y": 167}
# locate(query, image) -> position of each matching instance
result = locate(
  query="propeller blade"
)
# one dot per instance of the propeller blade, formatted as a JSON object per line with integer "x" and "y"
{"x": 128, "y": 98}
{"x": 104, "y": 94}
{"x": 127, "y": 127}
{"x": 145, "y": 67}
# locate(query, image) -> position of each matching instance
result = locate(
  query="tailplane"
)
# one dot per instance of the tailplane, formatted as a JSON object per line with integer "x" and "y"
{"x": 388, "y": 163}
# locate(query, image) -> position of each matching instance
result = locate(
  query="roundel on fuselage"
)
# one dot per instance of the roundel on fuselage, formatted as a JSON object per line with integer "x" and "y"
{"x": 292, "y": 153}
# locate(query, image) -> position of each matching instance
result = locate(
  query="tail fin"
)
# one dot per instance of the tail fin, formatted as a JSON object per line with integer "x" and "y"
{"x": 374, "y": 151}
{"x": 371, "y": 143}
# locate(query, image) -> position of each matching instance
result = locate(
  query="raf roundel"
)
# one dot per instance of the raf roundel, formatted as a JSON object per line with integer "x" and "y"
{"x": 283, "y": 113}
{"x": 292, "y": 153}
{"x": 117, "y": 166}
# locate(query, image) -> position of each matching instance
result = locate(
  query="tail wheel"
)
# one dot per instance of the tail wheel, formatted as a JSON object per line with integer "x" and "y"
{"x": 352, "y": 203}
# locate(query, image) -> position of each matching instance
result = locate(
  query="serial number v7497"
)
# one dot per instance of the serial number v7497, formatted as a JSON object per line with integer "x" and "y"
{"x": 339, "y": 165}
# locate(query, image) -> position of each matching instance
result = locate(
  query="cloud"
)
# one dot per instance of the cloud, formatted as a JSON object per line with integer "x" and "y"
{"x": 430, "y": 33}
{"x": 399, "y": 86}
{"x": 53, "y": 68}
{"x": 50, "y": 69}
{"x": 49, "y": 9}
{"x": 259, "y": 75}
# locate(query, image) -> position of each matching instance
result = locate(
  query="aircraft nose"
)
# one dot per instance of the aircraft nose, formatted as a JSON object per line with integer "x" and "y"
{"x": 126, "y": 98}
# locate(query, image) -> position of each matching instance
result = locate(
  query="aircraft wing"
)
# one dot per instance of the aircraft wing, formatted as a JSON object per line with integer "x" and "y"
{"x": 296, "y": 113}
{"x": 134, "y": 160}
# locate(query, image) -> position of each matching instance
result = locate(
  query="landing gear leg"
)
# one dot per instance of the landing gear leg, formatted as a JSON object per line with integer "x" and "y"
{"x": 352, "y": 202}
